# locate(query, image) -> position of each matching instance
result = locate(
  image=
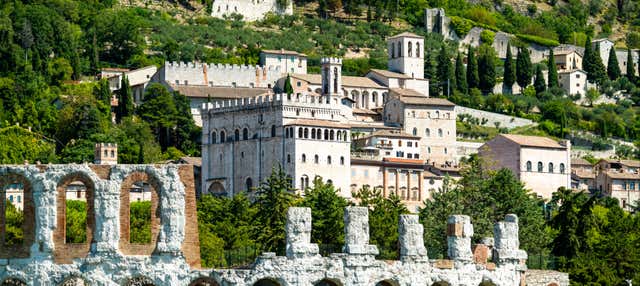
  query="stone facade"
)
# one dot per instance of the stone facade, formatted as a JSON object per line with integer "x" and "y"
{"x": 251, "y": 10}
{"x": 492, "y": 118}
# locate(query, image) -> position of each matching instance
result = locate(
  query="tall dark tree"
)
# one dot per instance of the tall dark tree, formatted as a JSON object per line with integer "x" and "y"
{"x": 524, "y": 70}
{"x": 592, "y": 63}
{"x": 613, "y": 69}
{"x": 461, "y": 75}
{"x": 125, "y": 100}
{"x": 102, "y": 93}
{"x": 539, "y": 83}
{"x": 600, "y": 71}
{"x": 159, "y": 110}
{"x": 631, "y": 72}
{"x": 552, "y": 80}
{"x": 509, "y": 77}
{"x": 487, "y": 64}
{"x": 473, "y": 80}
{"x": 288, "y": 88}
{"x": 443, "y": 70}
{"x": 587, "y": 59}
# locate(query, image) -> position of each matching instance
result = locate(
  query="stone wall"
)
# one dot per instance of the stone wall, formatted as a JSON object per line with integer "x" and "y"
{"x": 171, "y": 261}
{"x": 546, "y": 278}
{"x": 493, "y": 118}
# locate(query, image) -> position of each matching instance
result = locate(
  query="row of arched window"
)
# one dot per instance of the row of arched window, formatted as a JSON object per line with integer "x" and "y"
{"x": 316, "y": 159}
{"x": 550, "y": 167}
{"x": 427, "y": 132}
{"x": 317, "y": 133}
{"x": 396, "y": 50}
{"x": 237, "y": 135}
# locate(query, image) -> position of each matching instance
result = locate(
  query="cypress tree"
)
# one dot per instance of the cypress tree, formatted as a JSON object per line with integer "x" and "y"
{"x": 288, "y": 88}
{"x": 487, "y": 63}
{"x": 472, "y": 69}
{"x": 523, "y": 68}
{"x": 630, "y": 70}
{"x": 539, "y": 83}
{"x": 443, "y": 71}
{"x": 587, "y": 62}
{"x": 125, "y": 99}
{"x": 509, "y": 77}
{"x": 600, "y": 72}
{"x": 613, "y": 70}
{"x": 552, "y": 79}
{"x": 453, "y": 83}
{"x": 461, "y": 75}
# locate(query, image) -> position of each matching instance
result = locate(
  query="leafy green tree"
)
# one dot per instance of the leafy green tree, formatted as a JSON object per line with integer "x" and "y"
{"x": 273, "y": 199}
{"x": 125, "y": 100}
{"x": 524, "y": 70}
{"x": 473, "y": 79}
{"x": 509, "y": 76}
{"x": 14, "y": 218}
{"x": 18, "y": 145}
{"x": 443, "y": 70}
{"x": 461, "y": 75}
{"x": 327, "y": 213}
{"x": 539, "y": 83}
{"x": 552, "y": 80}
{"x": 486, "y": 63}
{"x": 140, "y": 222}
{"x": 159, "y": 110}
{"x": 186, "y": 133}
{"x": 630, "y": 68}
{"x": 613, "y": 70}
{"x": 76, "y": 221}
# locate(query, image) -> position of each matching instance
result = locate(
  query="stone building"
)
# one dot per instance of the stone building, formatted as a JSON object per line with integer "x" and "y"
{"x": 250, "y": 10}
{"x": 619, "y": 179}
{"x": 289, "y": 62}
{"x": 582, "y": 175}
{"x": 138, "y": 79}
{"x": 541, "y": 164}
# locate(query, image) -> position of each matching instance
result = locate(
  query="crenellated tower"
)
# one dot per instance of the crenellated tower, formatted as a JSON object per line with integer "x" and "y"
{"x": 332, "y": 77}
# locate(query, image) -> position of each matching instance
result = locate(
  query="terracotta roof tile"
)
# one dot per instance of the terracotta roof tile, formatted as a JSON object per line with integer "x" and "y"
{"x": 391, "y": 134}
{"x": 218, "y": 92}
{"x": 580, "y": 162}
{"x": 318, "y": 122}
{"x": 389, "y": 74}
{"x": 621, "y": 175}
{"x": 352, "y": 81}
{"x": 406, "y": 34}
{"x": 533, "y": 141}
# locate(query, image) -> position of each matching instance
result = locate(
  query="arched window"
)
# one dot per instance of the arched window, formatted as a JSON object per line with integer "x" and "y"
{"x": 273, "y": 131}
{"x": 249, "y": 184}
{"x": 429, "y": 150}
{"x": 339, "y": 135}
{"x": 399, "y": 49}
{"x": 326, "y": 134}
{"x": 223, "y": 136}
{"x": 410, "y": 50}
{"x": 440, "y": 132}
{"x": 288, "y": 158}
{"x": 415, "y": 131}
{"x": 313, "y": 133}
{"x": 539, "y": 166}
{"x": 529, "y": 166}
{"x": 427, "y": 132}
{"x": 345, "y": 136}
{"x": 319, "y": 134}
{"x": 445, "y": 150}
{"x": 437, "y": 114}
{"x": 304, "y": 158}
{"x": 214, "y": 137}
{"x": 335, "y": 80}
{"x": 417, "y": 49}
{"x": 316, "y": 159}
{"x": 329, "y": 160}
{"x": 331, "y": 135}
{"x": 245, "y": 134}
{"x": 237, "y": 135}
{"x": 562, "y": 168}
{"x": 306, "y": 133}
{"x": 550, "y": 167}
{"x": 393, "y": 51}
{"x": 341, "y": 160}
{"x": 299, "y": 132}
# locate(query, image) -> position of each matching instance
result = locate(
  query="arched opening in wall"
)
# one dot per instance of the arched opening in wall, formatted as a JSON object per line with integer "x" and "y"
{"x": 204, "y": 281}
{"x": 355, "y": 95}
{"x": 13, "y": 282}
{"x": 139, "y": 214}
{"x": 223, "y": 136}
{"x": 139, "y": 281}
{"x": 75, "y": 219}
{"x": 217, "y": 189}
{"x": 553, "y": 284}
{"x": 365, "y": 99}
{"x": 73, "y": 281}
{"x": 245, "y": 134}
{"x": 327, "y": 282}
{"x": 266, "y": 282}
{"x": 17, "y": 220}
{"x": 486, "y": 283}
{"x": 441, "y": 283}
{"x": 385, "y": 283}
{"x": 248, "y": 184}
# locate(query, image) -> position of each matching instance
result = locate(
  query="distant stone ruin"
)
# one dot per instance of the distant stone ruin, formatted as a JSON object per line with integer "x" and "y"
{"x": 172, "y": 257}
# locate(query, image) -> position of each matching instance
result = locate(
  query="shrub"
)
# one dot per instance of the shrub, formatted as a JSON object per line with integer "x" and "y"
{"x": 538, "y": 40}
{"x": 461, "y": 26}
{"x": 486, "y": 37}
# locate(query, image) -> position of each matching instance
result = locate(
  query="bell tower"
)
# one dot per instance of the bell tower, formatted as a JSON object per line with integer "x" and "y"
{"x": 331, "y": 77}
{"x": 406, "y": 55}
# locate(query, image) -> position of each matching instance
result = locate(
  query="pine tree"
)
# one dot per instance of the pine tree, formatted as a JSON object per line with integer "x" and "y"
{"x": 539, "y": 83}
{"x": 443, "y": 71}
{"x": 461, "y": 75}
{"x": 630, "y": 68}
{"x": 523, "y": 68}
{"x": 125, "y": 100}
{"x": 487, "y": 64}
{"x": 613, "y": 70}
{"x": 552, "y": 80}
{"x": 509, "y": 77}
{"x": 472, "y": 69}
{"x": 288, "y": 88}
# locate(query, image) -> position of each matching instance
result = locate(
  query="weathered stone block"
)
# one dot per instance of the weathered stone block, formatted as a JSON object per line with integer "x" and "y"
{"x": 299, "y": 233}
{"x": 411, "y": 237}
{"x": 459, "y": 237}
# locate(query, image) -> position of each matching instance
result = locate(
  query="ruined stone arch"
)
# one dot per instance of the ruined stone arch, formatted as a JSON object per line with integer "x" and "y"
{"x": 487, "y": 283}
{"x": 267, "y": 282}
{"x": 217, "y": 189}
{"x": 387, "y": 282}
{"x": 328, "y": 282}
{"x": 204, "y": 281}
{"x": 138, "y": 281}
{"x": 74, "y": 281}
{"x": 64, "y": 252}
{"x": 12, "y": 281}
{"x": 125, "y": 246}
{"x": 29, "y": 221}
{"x": 441, "y": 283}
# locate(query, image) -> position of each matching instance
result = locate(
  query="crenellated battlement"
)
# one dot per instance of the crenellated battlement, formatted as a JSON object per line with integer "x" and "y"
{"x": 268, "y": 100}
{"x": 330, "y": 60}
{"x": 213, "y": 66}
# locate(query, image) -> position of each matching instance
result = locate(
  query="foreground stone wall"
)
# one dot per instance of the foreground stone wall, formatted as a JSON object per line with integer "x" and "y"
{"x": 173, "y": 257}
